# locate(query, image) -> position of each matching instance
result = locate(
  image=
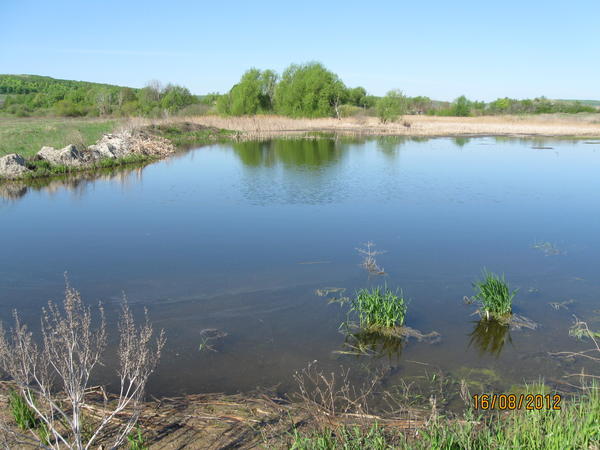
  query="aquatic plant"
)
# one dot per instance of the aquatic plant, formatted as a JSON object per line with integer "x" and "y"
{"x": 547, "y": 248}
{"x": 369, "y": 262}
{"x": 379, "y": 308}
{"x": 494, "y": 295}
{"x": 581, "y": 331}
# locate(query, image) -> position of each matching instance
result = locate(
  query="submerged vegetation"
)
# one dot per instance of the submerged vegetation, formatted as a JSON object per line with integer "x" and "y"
{"x": 494, "y": 295}
{"x": 369, "y": 263}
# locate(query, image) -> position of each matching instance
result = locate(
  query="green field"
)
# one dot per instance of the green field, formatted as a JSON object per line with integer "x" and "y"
{"x": 28, "y": 136}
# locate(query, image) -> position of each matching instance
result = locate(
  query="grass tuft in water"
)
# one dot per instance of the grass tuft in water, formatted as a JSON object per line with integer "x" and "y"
{"x": 379, "y": 308}
{"x": 494, "y": 295}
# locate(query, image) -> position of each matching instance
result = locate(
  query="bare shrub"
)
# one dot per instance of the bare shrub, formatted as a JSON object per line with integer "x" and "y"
{"x": 328, "y": 398}
{"x": 53, "y": 378}
{"x": 76, "y": 138}
{"x": 369, "y": 262}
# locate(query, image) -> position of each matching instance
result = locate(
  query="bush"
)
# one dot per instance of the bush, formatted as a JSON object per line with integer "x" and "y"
{"x": 309, "y": 90}
{"x": 392, "y": 106}
{"x": 53, "y": 379}
{"x": 461, "y": 107}
{"x": 350, "y": 110}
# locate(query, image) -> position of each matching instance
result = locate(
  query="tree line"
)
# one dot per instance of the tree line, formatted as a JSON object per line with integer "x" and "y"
{"x": 27, "y": 95}
{"x": 302, "y": 90}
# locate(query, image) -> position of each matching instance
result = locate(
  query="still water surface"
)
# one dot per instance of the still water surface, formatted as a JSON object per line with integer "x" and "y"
{"x": 239, "y": 237}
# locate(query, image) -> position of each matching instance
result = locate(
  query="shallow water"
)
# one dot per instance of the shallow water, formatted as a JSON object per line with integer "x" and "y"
{"x": 239, "y": 237}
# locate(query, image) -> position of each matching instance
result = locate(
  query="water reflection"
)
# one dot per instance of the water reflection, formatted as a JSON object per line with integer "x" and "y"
{"x": 311, "y": 154}
{"x": 490, "y": 336}
{"x": 374, "y": 344}
{"x": 461, "y": 141}
{"x": 389, "y": 145}
{"x": 77, "y": 183}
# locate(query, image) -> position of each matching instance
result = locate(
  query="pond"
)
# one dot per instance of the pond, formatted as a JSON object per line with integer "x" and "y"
{"x": 237, "y": 250}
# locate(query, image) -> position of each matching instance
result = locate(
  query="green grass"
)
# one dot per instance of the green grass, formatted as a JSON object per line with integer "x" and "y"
{"x": 347, "y": 438}
{"x": 21, "y": 412}
{"x": 136, "y": 440}
{"x": 28, "y": 136}
{"x": 43, "y": 169}
{"x": 187, "y": 135}
{"x": 379, "y": 308}
{"x": 576, "y": 425}
{"x": 25, "y": 417}
{"x": 494, "y": 295}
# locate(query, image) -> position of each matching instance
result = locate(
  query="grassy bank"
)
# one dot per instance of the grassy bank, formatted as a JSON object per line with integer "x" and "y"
{"x": 576, "y": 425}
{"x": 27, "y": 136}
{"x": 184, "y": 134}
{"x": 265, "y": 421}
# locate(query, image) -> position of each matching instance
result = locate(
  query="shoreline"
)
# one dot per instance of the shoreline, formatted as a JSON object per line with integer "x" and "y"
{"x": 189, "y": 132}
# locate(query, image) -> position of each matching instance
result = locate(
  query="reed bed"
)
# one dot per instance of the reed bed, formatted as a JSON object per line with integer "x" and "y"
{"x": 545, "y": 125}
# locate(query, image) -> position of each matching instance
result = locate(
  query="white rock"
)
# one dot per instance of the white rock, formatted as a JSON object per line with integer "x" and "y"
{"x": 12, "y": 166}
{"x": 68, "y": 156}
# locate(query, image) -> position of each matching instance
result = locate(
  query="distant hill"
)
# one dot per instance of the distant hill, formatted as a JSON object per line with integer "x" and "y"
{"x": 583, "y": 102}
{"x": 27, "y": 84}
{"x": 25, "y": 95}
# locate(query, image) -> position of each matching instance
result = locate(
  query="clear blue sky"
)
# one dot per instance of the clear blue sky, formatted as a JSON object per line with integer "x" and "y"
{"x": 483, "y": 49}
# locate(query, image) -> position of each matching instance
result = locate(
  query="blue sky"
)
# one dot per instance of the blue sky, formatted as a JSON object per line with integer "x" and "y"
{"x": 441, "y": 49}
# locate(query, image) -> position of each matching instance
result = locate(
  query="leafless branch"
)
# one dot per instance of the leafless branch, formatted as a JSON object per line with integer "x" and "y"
{"x": 54, "y": 379}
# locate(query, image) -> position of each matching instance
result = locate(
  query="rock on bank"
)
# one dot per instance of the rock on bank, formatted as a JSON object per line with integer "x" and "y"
{"x": 108, "y": 147}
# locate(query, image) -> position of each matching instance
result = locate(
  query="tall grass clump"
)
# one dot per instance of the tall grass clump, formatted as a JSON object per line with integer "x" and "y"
{"x": 24, "y": 416}
{"x": 494, "y": 295}
{"x": 379, "y": 308}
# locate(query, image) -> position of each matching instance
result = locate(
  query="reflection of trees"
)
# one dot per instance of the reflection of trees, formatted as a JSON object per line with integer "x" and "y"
{"x": 489, "y": 336}
{"x": 291, "y": 153}
{"x": 389, "y": 145}
{"x": 535, "y": 141}
{"x": 461, "y": 141}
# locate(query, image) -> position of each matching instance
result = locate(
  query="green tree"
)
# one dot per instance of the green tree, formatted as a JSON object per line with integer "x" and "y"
{"x": 309, "y": 90}
{"x": 461, "y": 107}
{"x": 392, "y": 106}
{"x": 420, "y": 104}
{"x": 357, "y": 96}
{"x": 176, "y": 97}
{"x": 253, "y": 94}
